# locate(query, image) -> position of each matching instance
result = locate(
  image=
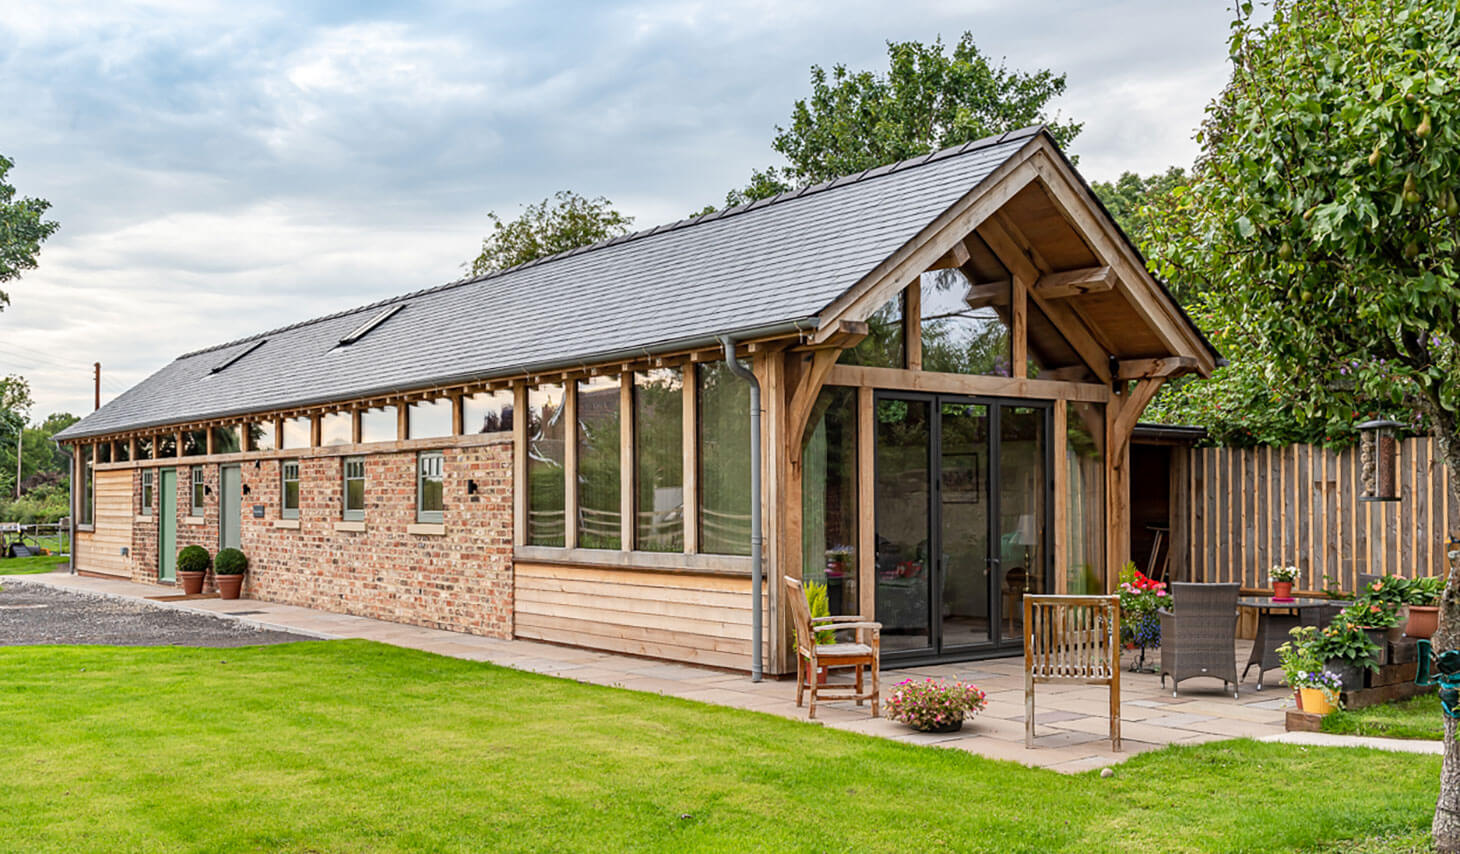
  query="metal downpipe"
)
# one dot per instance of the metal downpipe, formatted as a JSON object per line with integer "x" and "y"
{"x": 757, "y": 581}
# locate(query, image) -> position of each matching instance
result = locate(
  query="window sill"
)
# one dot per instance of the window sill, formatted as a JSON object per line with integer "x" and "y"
{"x": 427, "y": 529}
{"x": 86, "y": 529}
{"x": 291, "y": 524}
{"x": 357, "y": 527}
{"x": 696, "y": 564}
{"x": 144, "y": 517}
{"x": 193, "y": 520}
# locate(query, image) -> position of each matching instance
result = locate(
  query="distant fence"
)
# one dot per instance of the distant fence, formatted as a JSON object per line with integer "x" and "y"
{"x": 1252, "y": 508}
{"x": 54, "y": 536}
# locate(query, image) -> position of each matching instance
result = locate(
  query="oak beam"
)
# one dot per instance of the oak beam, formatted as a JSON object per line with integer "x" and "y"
{"x": 626, "y": 472}
{"x": 1073, "y": 283}
{"x": 1166, "y": 366}
{"x": 969, "y": 384}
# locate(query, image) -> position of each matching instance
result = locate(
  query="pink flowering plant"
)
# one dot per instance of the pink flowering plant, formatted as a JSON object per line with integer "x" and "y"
{"x": 932, "y": 704}
{"x": 1140, "y": 598}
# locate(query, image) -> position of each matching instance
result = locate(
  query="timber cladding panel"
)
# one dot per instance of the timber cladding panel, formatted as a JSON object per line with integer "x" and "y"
{"x": 460, "y": 580}
{"x": 100, "y": 550}
{"x": 694, "y": 618}
{"x": 1252, "y": 508}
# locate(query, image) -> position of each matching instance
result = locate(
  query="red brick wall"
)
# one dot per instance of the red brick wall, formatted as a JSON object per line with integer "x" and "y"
{"x": 461, "y": 581}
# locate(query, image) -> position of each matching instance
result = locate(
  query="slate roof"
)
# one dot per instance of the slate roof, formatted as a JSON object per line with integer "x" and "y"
{"x": 772, "y": 263}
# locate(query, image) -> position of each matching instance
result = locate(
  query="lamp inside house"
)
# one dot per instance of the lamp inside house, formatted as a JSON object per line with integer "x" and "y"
{"x": 1378, "y": 460}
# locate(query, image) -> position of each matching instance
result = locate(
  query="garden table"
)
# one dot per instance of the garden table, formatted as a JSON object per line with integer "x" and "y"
{"x": 1275, "y": 618}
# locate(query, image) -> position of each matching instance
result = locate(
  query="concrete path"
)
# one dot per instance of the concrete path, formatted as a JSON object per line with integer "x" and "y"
{"x": 1072, "y": 722}
{"x": 1324, "y": 739}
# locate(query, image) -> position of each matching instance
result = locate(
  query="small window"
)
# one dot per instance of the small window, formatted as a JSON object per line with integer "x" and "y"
{"x": 123, "y": 452}
{"x": 147, "y": 492}
{"x": 104, "y": 452}
{"x": 297, "y": 432}
{"x": 487, "y": 412}
{"x": 261, "y": 436}
{"x": 144, "y": 447}
{"x": 363, "y": 329}
{"x": 226, "y": 439}
{"x": 166, "y": 446}
{"x": 289, "y": 489}
{"x": 429, "y": 504}
{"x": 199, "y": 490}
{"x": 379, "y": 425}
{"x": 429, "y": 419}
{"x": 354, "y": 489}
{"x": 337, "y": 428}
{"x": 195, "y": 443}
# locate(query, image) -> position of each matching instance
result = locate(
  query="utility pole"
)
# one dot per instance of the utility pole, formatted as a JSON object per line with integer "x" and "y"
{"x": 20, "y": 446}
{"x": 96, "y": 385}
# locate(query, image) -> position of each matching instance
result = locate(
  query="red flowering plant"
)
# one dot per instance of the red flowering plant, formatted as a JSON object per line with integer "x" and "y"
{"x": 932, "y": 705}
{"x": 1140, "y": 598}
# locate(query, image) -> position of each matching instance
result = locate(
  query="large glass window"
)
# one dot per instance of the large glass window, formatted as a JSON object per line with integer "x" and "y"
{"x": 353, "y": 491}
{"x": 546, "y": 438}
{"x": 379, "y": 425}
{"x": 724, "y": 460}
{"x": 88, "y": 485}
{"x": 226, "y": 440}
{"x": 659, "y": 460}
{"x": 124, "y": 451}
{"x": 104, "y": 453}
{"x": 599, "y": 498}
{"x": 144, "y": 447}
{"x": 1085, "y": 516}
{"x": 964, "y": 332}
{"x": 166, "y": 446}
{"x": 429, "y": 481}
{"x": 487, "y": 412}
{"x": 430, "y": 419}
{"x": 195, "y": 443}
{"x": 261, "y": 436}
{"x": 829, "y": 497}
{"x": 337, "y": 428}
{"x": 297, "y": 432}
{"x": 199, "y": 490}
{"x": 289, "y": 489}
{"x": 884, "y": 345}
{"x": 147, "y": 492}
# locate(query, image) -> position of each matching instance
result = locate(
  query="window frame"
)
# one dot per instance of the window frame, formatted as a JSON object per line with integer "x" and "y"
{"x": 197, "y": 492}
{"x": 285, "y": 511}
{"x": 424, "y": 516}
{"x": 347, "y": 513}
{"x": 149, "y": 491}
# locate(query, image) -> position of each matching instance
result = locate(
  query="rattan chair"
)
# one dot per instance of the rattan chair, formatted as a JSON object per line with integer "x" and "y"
{"x": 1200, "y": 637}
{"x": 811, "y": 656}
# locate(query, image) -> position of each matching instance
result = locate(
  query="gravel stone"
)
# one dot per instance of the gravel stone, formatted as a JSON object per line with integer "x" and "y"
{"x": 38, "y": 614}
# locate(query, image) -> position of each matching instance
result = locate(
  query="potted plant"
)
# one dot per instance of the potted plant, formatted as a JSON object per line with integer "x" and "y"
{"x": 820, "y": 605}
{"x": 228, "y": 569}
{"x": 1315, "y": 686}
{"x": 1424, "y": 605}
{"x": 1319, "y": 690}
{"x": 931, "y": 705}
{"x": 192, "y": 568}
{"x": 1345, "y": 650}
{"x": 1141, "y": 600}
{"x": 1297, "y": 657}
{"x": 1282, "y": 578}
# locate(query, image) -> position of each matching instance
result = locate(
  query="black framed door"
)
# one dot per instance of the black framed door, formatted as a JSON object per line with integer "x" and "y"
{"x": 963, "y": 496}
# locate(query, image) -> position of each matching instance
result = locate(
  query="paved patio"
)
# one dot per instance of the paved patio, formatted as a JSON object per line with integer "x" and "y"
{"x": 1071, "y": 720}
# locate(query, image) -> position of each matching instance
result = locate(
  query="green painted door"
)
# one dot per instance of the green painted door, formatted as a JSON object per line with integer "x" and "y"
{"x": 167, "y": 527}
{"x": 230, "y": 507}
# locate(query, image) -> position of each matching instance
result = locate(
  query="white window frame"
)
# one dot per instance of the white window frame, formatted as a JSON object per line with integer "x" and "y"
{"x": 149, "y": 492}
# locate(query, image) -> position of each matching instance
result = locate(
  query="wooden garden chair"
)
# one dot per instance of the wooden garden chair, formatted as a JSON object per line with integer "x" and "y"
{"x": 811, "y": 656}
{"x": 1072, "y": 639}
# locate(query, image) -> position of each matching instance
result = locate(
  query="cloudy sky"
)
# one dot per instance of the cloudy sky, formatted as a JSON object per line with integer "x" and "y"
{"x": 221, "y": 168}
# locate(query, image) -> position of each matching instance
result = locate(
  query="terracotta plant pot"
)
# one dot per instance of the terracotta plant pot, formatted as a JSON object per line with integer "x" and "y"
{"x": 1282, "y": 590}
{"x": 1314, "y": 702}
{"x": 229, "y": 586}
{"x": 1423, "y": 620}
{"x": 820, "y": 673}
{"x": 1298, "y": 699}
{"x": 192, "y": 582}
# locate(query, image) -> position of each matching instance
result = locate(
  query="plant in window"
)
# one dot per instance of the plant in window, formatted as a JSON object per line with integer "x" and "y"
{"x": 192, "y": 567}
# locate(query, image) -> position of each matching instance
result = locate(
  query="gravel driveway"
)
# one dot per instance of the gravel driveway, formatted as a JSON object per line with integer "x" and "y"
{"x": 38, "y": 614}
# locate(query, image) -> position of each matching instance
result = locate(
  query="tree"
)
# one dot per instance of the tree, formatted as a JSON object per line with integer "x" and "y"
{"x": 565, "y": 221}
{"x": 21, "y": 230}
{"x": 1322, "y": 223}
{"x": 927, "y": 100}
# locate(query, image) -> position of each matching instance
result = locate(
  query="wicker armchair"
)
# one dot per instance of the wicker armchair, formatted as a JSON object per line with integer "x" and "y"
{"x": 1200, "y": 638}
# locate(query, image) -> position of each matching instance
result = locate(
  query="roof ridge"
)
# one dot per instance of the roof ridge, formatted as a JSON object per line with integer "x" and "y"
{"x": 787, "y": 196}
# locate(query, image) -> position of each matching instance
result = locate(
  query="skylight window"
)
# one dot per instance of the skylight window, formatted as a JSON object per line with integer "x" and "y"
{"x": 239, "y": 355}
{"x": 364, "y": 329}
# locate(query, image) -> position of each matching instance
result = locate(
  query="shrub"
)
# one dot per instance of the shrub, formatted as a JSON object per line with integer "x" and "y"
{"x": 230, "y": 562}
{"x": 193, "y": 559}
{"x": 930, "y": 704}
{"x": 1425, "y": 591}
{"x": 820, "y": 604}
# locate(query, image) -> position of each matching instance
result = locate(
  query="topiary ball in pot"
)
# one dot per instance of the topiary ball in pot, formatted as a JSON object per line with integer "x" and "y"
{"x": 229, "y": 566}
{"x": 192, "y": 566}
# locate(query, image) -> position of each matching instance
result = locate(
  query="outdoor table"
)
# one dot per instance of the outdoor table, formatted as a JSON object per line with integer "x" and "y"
{"x": 1273, "y": 627}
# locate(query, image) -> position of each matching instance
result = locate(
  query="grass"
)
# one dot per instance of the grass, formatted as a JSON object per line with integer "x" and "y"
{"x": 357, "y": 746}
{"x": 31, "y": 565}
{"x": 1418, "y": 717}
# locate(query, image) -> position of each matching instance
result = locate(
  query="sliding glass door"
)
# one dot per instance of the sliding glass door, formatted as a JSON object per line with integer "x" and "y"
{"x": 962, "y": 519}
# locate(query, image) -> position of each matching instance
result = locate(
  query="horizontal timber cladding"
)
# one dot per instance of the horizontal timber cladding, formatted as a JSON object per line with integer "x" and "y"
{"x": 679, "y": 616}
{"x": 107, "y": 548}
{"x": 456, "y": 575}
{"x": 1253, "y": 508}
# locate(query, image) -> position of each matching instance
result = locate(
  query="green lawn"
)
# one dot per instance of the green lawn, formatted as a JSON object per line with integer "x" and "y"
{"x": 1417, "y": 717}
{"x": 356, "y": 746}
{"x": 31, "y": 565}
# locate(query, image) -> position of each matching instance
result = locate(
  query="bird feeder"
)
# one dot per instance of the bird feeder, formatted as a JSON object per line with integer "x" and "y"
{"x": 1379, "y": 460}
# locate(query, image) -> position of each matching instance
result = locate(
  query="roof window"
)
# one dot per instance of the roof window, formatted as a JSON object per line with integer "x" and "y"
{"x": 364, "y": 329}
{"x": 238, "y": 355}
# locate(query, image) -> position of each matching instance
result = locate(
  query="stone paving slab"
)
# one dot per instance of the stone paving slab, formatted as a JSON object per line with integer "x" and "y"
{"x": 1072, "y": 723}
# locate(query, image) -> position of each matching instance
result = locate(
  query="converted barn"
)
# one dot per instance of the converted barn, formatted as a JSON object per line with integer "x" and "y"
{"x": 948, "y": 356}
